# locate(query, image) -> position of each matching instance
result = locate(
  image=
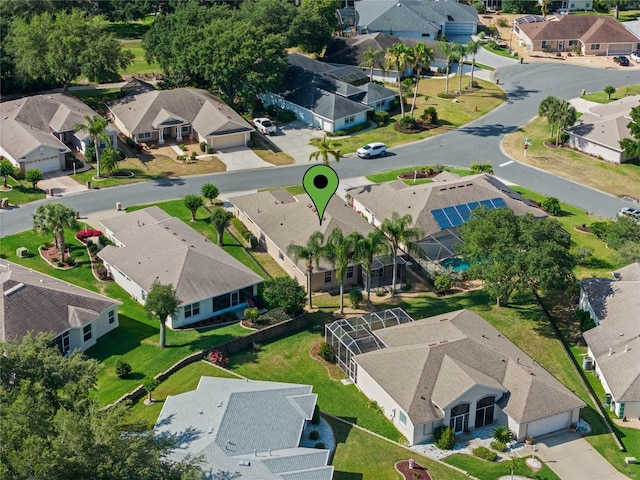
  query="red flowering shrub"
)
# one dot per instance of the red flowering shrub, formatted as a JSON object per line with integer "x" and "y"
{"x": 217, "y": 357}
{"x": 84, "y": 234}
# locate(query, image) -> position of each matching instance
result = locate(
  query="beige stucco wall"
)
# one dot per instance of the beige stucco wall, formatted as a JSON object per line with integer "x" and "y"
{"x": 585, "y": 145}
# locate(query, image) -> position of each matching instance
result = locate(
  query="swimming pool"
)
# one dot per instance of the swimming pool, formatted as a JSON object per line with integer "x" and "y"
{"x": 457, "y": 264}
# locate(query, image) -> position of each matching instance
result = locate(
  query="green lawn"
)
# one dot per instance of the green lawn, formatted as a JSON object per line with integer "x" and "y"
{"x": 392, "y": 175}
{"x": 491, "y": 470}
{"x": 130, "y": 30}
{"x": 21, "y": 192}
{"x": 139, "y": 65}
{"x": 499, "y": 51}
{"x": 621, "y": 92}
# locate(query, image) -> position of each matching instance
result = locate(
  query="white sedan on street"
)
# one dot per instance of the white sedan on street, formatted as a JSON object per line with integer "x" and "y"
{"x": 265, "y": 126}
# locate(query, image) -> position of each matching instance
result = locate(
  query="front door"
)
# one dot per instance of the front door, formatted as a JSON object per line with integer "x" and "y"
{"x": 560, "y": 46}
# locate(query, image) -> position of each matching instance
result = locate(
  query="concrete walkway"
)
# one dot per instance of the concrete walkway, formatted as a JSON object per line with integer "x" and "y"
{"x": 571, "y": 457}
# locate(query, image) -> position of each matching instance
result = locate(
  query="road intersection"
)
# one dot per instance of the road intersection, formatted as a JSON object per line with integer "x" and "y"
{"x": 480, "y": 141}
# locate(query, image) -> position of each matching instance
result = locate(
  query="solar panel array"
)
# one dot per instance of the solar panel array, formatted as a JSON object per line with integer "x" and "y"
{"x": 458, "y": 214}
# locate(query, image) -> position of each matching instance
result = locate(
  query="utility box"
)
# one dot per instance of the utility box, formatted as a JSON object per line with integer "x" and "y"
{"x": 587, "y": 363}
{"x": 22, "y": 252}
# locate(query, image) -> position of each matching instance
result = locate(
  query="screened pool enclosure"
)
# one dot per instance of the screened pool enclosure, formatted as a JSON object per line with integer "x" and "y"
{"x": 353, "y": 336}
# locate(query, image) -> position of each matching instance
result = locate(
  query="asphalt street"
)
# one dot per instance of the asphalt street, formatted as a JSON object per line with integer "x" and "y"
{"x": 479, "y": 141}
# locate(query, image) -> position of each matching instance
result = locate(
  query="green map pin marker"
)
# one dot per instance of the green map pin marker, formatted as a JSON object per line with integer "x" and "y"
{"x": 320, "y": 182}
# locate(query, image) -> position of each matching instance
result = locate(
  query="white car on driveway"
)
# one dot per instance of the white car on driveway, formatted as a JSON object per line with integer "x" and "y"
{"x": 372, "y": 150}
{"x": 635, "y": 57}
{"x": 265, "y": 126}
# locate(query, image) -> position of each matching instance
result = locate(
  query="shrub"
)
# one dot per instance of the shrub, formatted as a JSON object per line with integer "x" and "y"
{"x": 551, "y": 205}
{"x": 209, "y": 150}
{"x": 60, "y": 264}
{"x": 582, "y": 255}
{"x": 286, "y": 293}
{"x": 406, "y": 286}
{"x": 585, "y": 320}
{"x": 407, "y": 123}
{"x": 326, "y": 352}
{"x": 55, "y": 260}
{"x": 90, "y": 154}
{"x": 123, "y": 369}
{"x": 192, "y": 156}
{"x": 599, "y": 229}
{"x": 183, "y": 147}
{"x": 103, "y": 240}
{"x": 203, "y": 146}
{"x": 70, "y": 261}
{"x": 485, "y": 453}
{"x": 319, "y": 445}
{"x": 251, "y": 314}
{"x": 102, "y": 272}
{"x": 502, "y": 434}
{"x": 442, "y": 283}
{"x": 355, "y": 297}
{"x": 447, "y": 438}
{"x": 445, "y": 95}
{"x": 218, "y": 357}
{"x": 430, "y": 115}
{"x": 314, "y": 435}
{"x": 84, "y": 234}
{"x": 181, "y": 158}
{"x": 498, "y": 446}
{"x": 503, "y": 22}
{"x": 241, "y": 228}
{"x": 381, "y": 117}
{"x": 89, "y": 243}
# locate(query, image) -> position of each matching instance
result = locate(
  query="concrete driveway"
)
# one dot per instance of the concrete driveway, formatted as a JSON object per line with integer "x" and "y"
{"x": 571, "y": 457}
{"x": 59, "y": 183}
{"x": 241, "y": 158}
{"x": 293, "y": 139}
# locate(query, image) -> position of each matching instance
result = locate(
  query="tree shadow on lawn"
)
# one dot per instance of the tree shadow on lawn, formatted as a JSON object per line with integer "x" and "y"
{"x": 338, "y": 475}
{"x": 598, "y": 264}
{"x": 341, "y": 430}
{"x": 202, "y": 342}
{"x": 128, "y": 336}
{"x": 529, "y": 311}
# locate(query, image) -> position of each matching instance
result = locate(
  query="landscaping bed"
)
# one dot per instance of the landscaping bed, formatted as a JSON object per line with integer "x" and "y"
{"x": 411, "y": 470}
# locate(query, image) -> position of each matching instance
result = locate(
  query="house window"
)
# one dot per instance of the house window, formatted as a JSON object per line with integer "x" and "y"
{"x": 587, "y": 5}
{"x": 402, "y": 418}
{"x": 327, "y": 276}
{"x": 426, "y": 34}
{"x": 186, "y": 128}
{"x": 350, "y": 271}
{"x": 63, "y": 343}
{"x": 280, "y": 255}
{"x": 112, "y": 317}
{"x": 350, "y": 119}
{"x": 595, "y": 46}
{"x": 573, "y": 43}
{"x": 544, "y": 44}
{"x": 573, "y": 6}
{"x": 192, "y": 310}
{"x": 86, "y": 333}
{"x": 380, "y": 104}
{"x": 484, "y": 411}
{"x": 459, "y": 421}
{"x": 145, "y": 135}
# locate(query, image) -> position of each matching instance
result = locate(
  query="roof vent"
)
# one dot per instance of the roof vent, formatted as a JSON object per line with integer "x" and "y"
{"x": 610, "y": 351}
{"x": 220, "y": 403}
{"x": 14, "y": 289}
{"x": 626, "y": 348}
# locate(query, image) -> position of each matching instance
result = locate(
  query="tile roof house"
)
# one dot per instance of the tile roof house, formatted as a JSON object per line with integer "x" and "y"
{"x": 350, "y": 51}
{"x": 599, "y": 131}
{"x": 425, "y": 19}
{"x": 430, "y": 205}
{"x": 34, "y": 302}
{"x": 614, "y": 343}
{"x": 37, "y": 132}
{"x": 456, "y": 370}
{"x": 586, "y": 34}
{"x": 329, "y": 97}
{"x": 277, "y": 219}
{"x": 158, "y": 116}
{"x": 207, "y": 279}
{"x": 253, "y": 428}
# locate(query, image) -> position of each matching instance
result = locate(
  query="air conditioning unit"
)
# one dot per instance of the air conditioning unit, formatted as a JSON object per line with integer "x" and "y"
{"x": 587, "y": 363}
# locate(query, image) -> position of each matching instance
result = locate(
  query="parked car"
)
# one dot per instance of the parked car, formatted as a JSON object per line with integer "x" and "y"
{"x": 621, "y": 60}
{"x": 630, "y": 212}
{"x": 372, "y": 150}
{"x": 635, "y": 57}
{"x": 265, "y": 126}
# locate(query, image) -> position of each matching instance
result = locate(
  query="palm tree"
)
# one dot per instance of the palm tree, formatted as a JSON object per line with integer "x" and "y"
{"x": 472, "y": 49}
{"x": 398, "y": 232}
{"x": 326, "y": 148}
{"x": 162, "y": 301}
{"x": 53, "y": 218}
{"x": 548, "y": 108}
{"x": 567, "y": 116}
{"x": 422, "y": 57}
{"x": 370, "y": 58}
{"x": 110, "y": 159}
{"x": 448, "y": 51}
{"x": 96, "y": 126}
{"x": 460, "y": 53}
{"x": 340, "y": 251}
{"x": 309, "y": 252}
{"x": 220, "y": 219}
{"x": 399, "y": 56}
{"x": 366, "y": 249}
{"x": 544, "y": 7}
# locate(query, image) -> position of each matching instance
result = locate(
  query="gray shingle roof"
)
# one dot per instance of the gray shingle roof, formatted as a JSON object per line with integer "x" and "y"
{"x": 227, "y": 420}
{"x": 144, "y": 112}
{"x": 161, "y": 247}
{"x": 31, "y": 121}
{"x": 616, "y": 304}
{"x": 419, "y": 200}
{"x": 44, "y": 304}
{"x": 443, "y": 356}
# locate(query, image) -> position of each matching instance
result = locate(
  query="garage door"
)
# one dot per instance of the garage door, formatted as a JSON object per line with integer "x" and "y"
{"x": 228, "y": 141}
{"x": 458, "y": 29}
{"x": 548, "y": 425}
{"x": 44, "y": 165}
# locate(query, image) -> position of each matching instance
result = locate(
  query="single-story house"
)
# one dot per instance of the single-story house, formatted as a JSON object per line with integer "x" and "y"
{"x": 157, "y": 116}
{"x": 614, "y": 343}
{"x": 151, "y": 245}
{"x": 426, "y": 19}
{"x": 599, "y": 131}
{"x": 277, "y": 219}
{"x": 34, "y": 302}
{"x": 350, "y": 51}
{"x": 37, "y": 132}
{"x": 437, "y": 208}
{"x": 556, "y": 5}
{"x": 252, "y": 428}
{"x": 455, "y": 370}
{"x": 329, "y": 97}
{"x": 585, "y": 34}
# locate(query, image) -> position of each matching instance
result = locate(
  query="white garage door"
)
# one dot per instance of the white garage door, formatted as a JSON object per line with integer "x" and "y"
{"x": 548, "y": 425}
{"x": 458, "y": 29}
{"x": 228, "y": 141}
{"x": 44, "y": 165}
